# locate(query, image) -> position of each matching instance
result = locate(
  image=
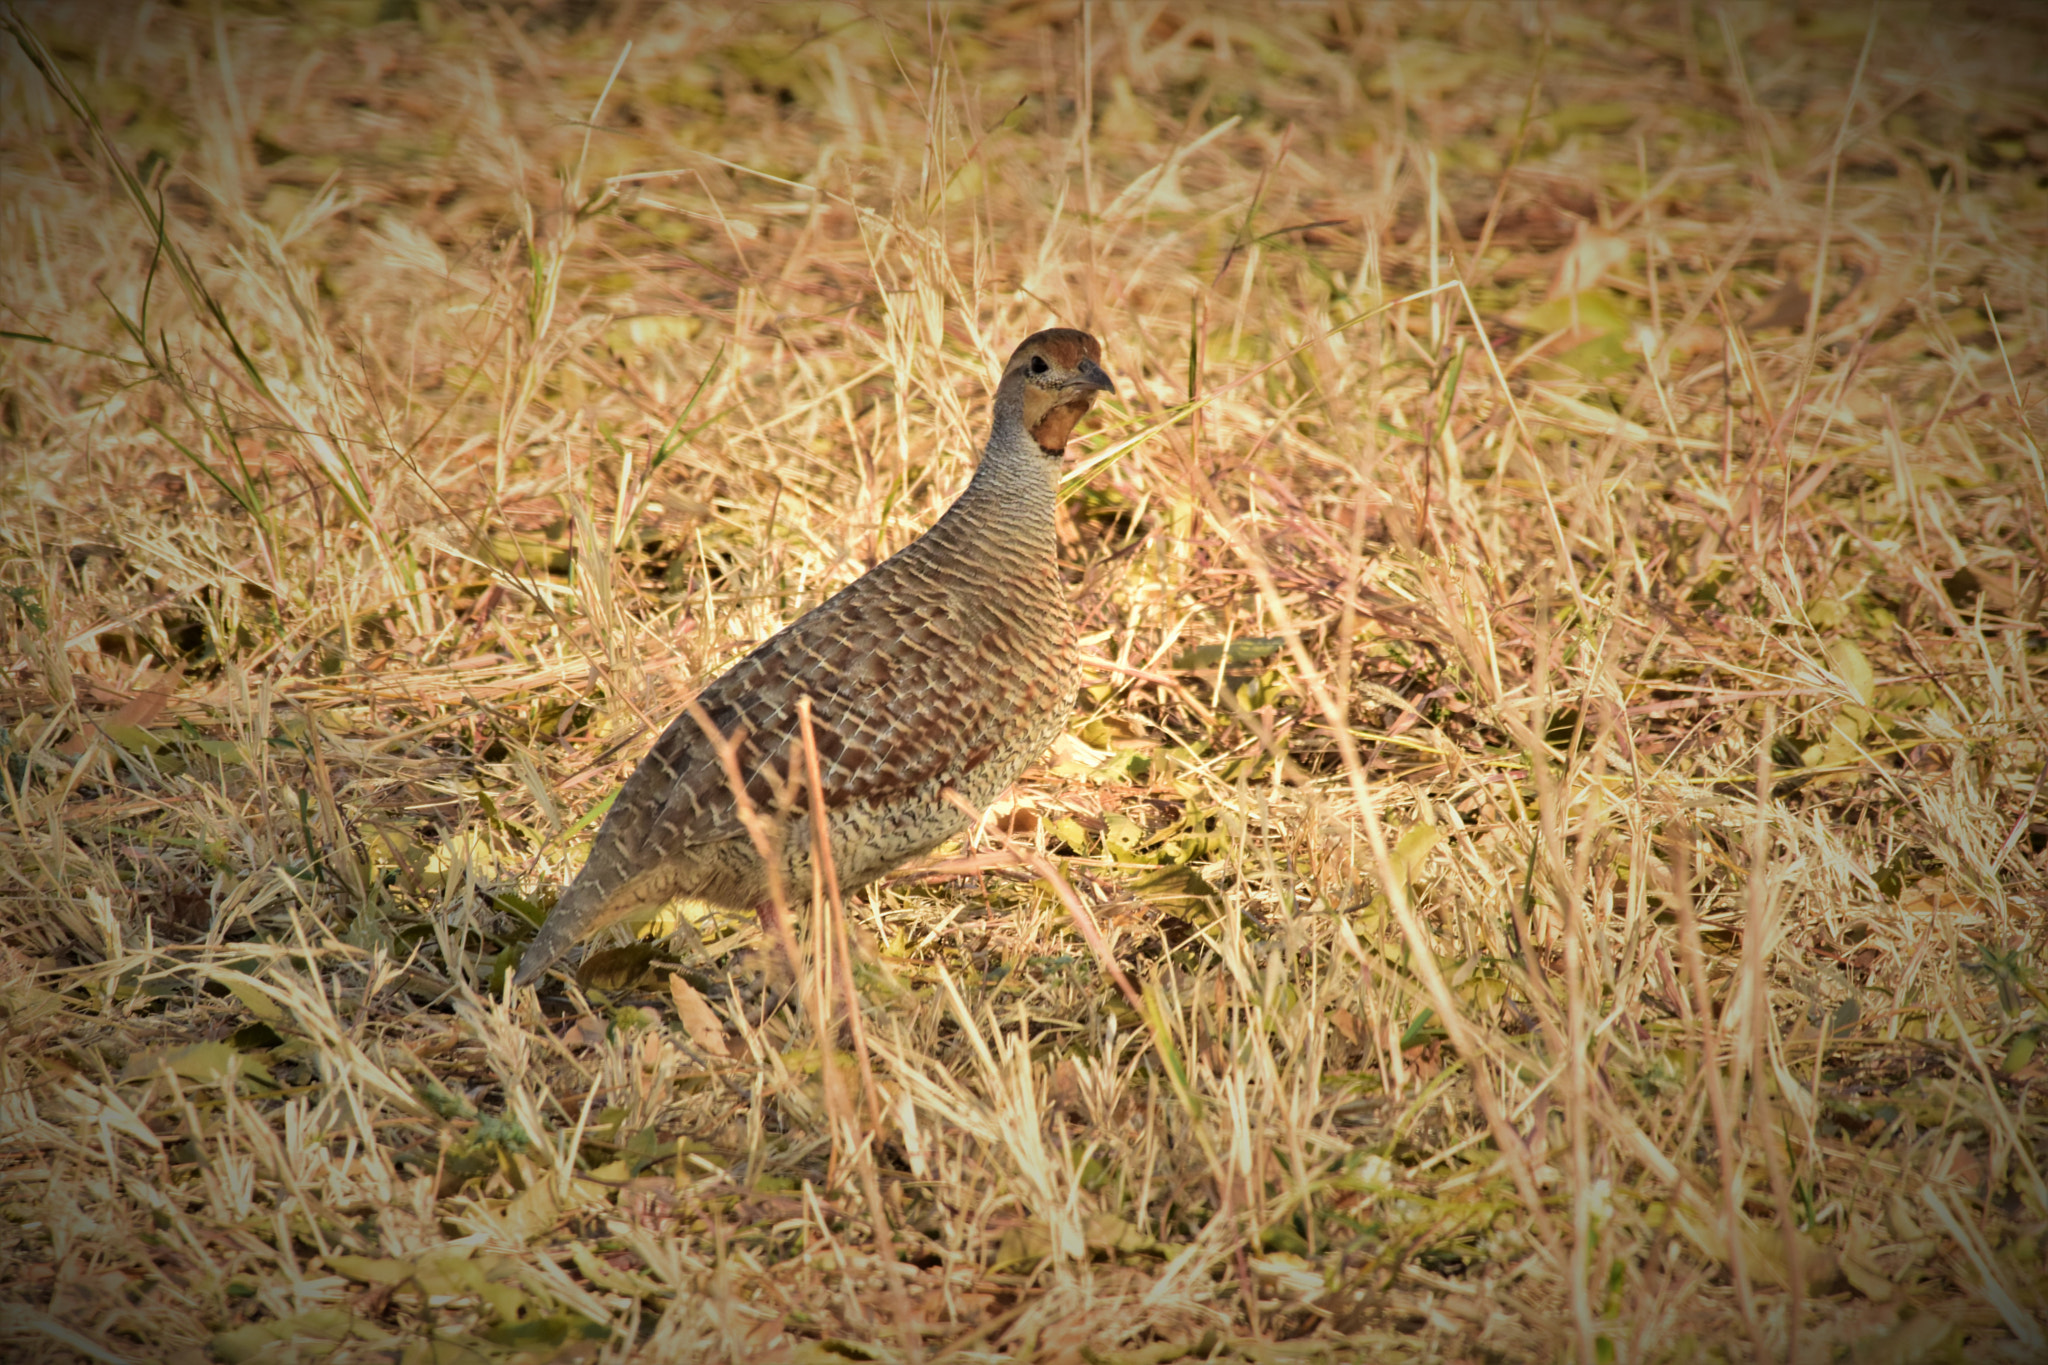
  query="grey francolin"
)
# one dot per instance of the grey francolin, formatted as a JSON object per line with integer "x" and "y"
{"x": 946, "y": 669}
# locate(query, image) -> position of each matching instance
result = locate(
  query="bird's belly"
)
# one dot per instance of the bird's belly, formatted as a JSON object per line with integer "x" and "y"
{"x": 873, "y": 839}
{"x": 874, "y": 833}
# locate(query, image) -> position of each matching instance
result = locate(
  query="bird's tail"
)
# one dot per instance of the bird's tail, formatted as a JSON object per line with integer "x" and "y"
{"x": 586, "y": 907}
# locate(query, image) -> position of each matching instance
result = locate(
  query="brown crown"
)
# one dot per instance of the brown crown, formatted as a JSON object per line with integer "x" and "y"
{"x": 1065, "y": 346}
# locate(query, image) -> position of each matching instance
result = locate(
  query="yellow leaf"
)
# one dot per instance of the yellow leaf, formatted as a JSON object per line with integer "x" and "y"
{"x": 370, "y": 1269}
{"x": 1111, "y": 1233}
{"x": 209, "y": 1063}
{"x": 613, "y": 1280}
{"x": 1484, "y": 993}
{"x": 255, "y": 1001}
{"x": 1174, "y": 883}
{"x": 533, "y": 1211}
{"x": 1587, "y": 261}
{"x": 1825, "y": 613}
{"x": 447, "y": 1271}
{"x": 1601, "y": 116}
{"x": 965, "y": 184}
{"x": 1841, "y": 748}
{"x": 322, "y": 1324}
{"x": 1590, "y": 312}
{"x": 634, "y": 338}
{"x": 1854, "y": 670}
{"x": 133, "y": 738}
{"x": 1413, "y": 849}
{"x": 1865, "y": 1278}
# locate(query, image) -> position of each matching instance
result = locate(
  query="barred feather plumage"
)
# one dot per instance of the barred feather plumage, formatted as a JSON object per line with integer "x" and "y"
{"x": 949, "y": 666}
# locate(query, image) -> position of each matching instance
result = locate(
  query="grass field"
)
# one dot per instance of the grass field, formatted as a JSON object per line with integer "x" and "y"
{"x": 1549, "y": 861}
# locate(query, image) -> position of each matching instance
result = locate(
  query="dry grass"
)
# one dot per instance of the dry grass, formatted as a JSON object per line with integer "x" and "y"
{"x": 1560, "y": 768}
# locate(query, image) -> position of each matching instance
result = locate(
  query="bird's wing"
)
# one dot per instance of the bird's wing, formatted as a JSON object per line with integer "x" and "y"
{"x": 896, "y": 667}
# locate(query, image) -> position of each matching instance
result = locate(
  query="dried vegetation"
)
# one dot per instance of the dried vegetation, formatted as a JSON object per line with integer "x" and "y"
{"x": 1559, "y": 776}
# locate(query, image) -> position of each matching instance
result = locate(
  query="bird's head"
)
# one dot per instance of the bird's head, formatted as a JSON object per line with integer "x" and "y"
{"x": 1055, "y": 375}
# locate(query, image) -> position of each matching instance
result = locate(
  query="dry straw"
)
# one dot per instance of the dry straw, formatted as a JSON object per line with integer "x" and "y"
{"x": 1548, "y": 861}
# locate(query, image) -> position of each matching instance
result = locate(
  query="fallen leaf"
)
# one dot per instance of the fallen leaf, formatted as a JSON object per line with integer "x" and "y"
{"x": 1855, "y": 670}
{"x": 1348, "y": 1024}
{"x": 700, "y": 1021}
{"x": 1786, "y": 308}
{"x": 1586, "y": 261}
{"x": 616, "y": 969}
{"x": 587, "y": 1031}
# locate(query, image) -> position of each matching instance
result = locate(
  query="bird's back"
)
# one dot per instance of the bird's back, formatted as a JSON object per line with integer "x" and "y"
{"x": 947, "y": 661}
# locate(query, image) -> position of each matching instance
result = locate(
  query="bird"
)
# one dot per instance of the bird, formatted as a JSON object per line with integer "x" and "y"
{"x": 936, "y": 677}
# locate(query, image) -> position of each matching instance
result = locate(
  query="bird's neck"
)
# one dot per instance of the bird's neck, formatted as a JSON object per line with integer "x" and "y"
{"x": 1014, "y": 468}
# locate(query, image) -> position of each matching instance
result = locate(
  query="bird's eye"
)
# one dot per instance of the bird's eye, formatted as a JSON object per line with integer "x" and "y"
{"x": 1038, "y": 365}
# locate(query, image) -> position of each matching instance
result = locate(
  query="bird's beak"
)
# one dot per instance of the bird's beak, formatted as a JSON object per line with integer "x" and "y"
{"x": 1092, "y": 376}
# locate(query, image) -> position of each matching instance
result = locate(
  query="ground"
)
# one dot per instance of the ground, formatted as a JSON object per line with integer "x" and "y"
{"x": 1548, "y": 861}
